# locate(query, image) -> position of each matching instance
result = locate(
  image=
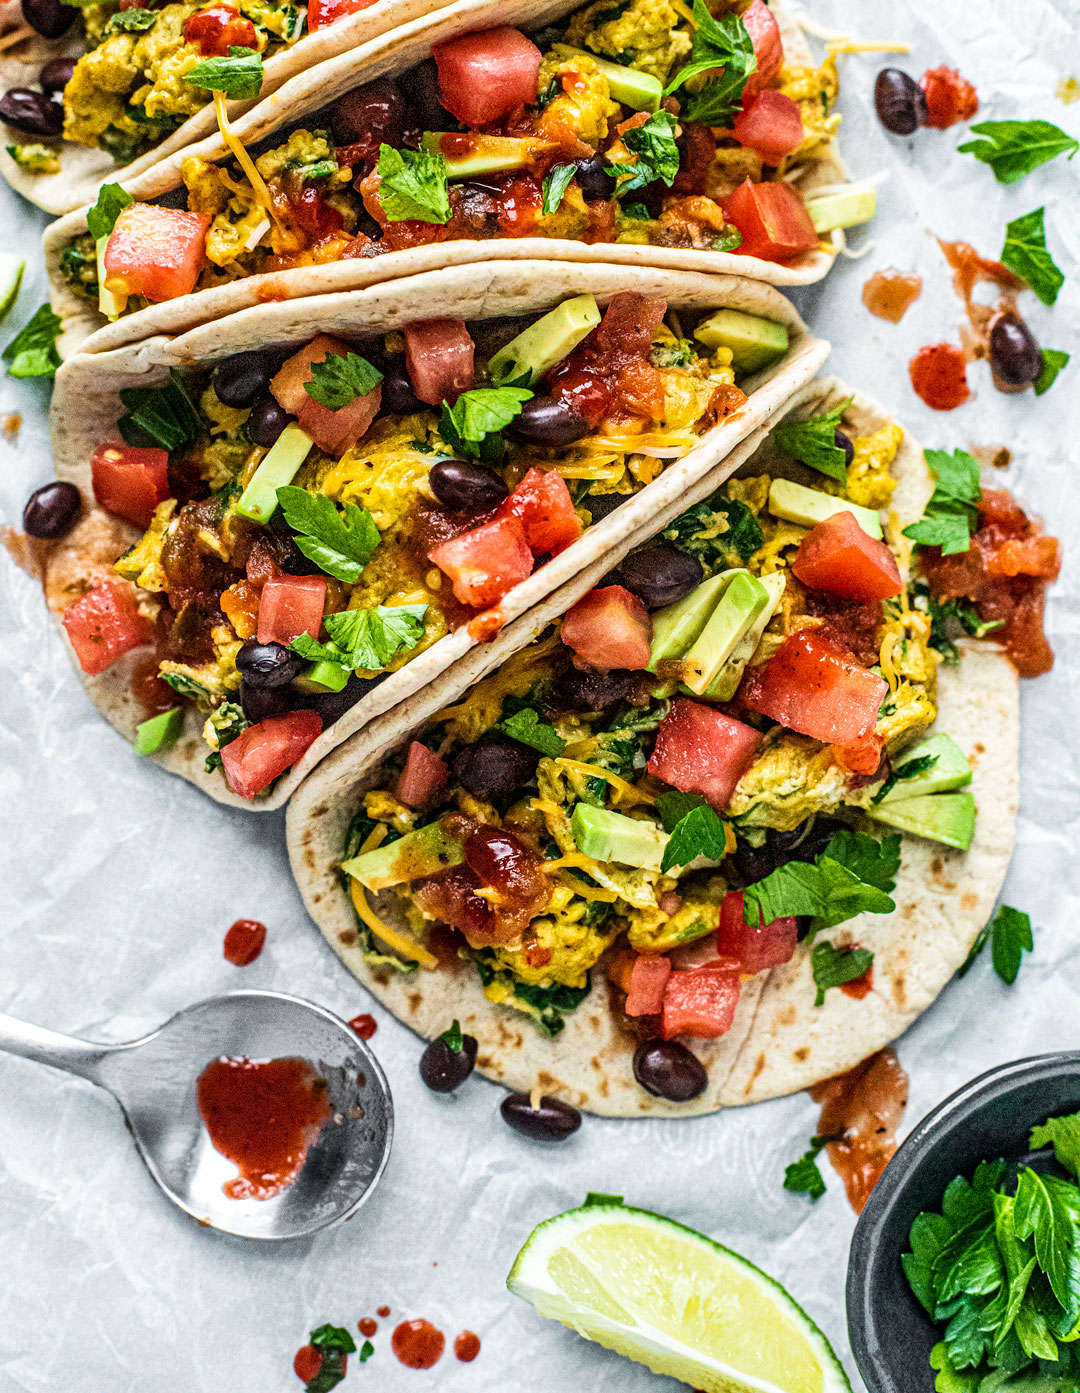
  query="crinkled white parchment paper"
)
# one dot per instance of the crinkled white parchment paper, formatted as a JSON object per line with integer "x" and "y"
{"x": 118, "y": 882}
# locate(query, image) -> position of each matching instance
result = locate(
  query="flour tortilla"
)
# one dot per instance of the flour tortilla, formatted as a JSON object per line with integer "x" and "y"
{"x": 84, "y": 327}
{"x": 85, "y": 408}
{"x": 780, "y": 1042}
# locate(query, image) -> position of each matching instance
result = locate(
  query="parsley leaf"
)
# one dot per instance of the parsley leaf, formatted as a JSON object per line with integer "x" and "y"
{"x": 874, "y": 862}
{"x": 1014, "y": 148}
{"x": 1063, "y": 1134}
{"x": 469, "y": 425}
{"x": 1054, "y": 359}
{"x": 367, "y": 1349}
{"x": 339, "y": 545}
{"x": 718, "y": 43}
{"x": 413, "y": 184}
{"x": 729, "y": 240}
{"x": 333, "y": 1337}
{"x": 162, "y": 417}
{"x": 1025, "y": 254}
{"x": 803, "y": 1176}
{"x": 365, "y": 639}
{"x": 1042, "y": 1211}
{"x": 132, "y": 21}
{"x": 832, "y": 967}
{"x": 556, "y": 181}
{"x": 696, "y": 531}
{"x": 239, "y": 76}
{"x": 851, "y": 876}
{"x": 673, "y": 807}
{"x": 527, "y": 728}
{"x": 700, "y": 832}
{"x": 453, "y": 1038}
{"x": 111, "y": 202}
{"x": 812, "y": 442}
{"x": 340, "y": 378}
{"x": 32, "y": 352}
{"x": 653, "y": 143}
{"x": 951, "y": 514}
{"x": 1010, "y": 934}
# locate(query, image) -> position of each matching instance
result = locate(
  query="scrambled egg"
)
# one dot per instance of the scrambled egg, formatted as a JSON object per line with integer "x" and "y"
{"x": 650, "y": 930}
{"x": 815, "y": 91}
{"x": 583, "y": 104}
{"x": 648, "y": 34}
{"x": 142, "y": 563}
{"x": 574, "y": 944}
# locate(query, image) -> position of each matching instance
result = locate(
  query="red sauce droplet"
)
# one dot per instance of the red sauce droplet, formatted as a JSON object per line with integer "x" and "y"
{"x": 418, "y": 1344}
{"x": 949, "y": 97}
{"x": 939, "y": 376}
{"x": 244, "y": 942}
{"x": 152, "y": 694}
{"x": 862, "y": 986}
{"x": 367, "y": 1326}
{"x": 364, "y": 1025}
{"x": 308, "y": 1363}
{"x": 467, "y": 1346}
{"x": 862, "y": 1110}
{"x": 264, "y": 1115}
{"x": 383, "y": 1311}
{"x": 890, "y": 294}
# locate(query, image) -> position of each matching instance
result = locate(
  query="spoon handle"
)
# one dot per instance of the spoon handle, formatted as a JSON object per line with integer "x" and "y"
{"x": 50, "y": 1047}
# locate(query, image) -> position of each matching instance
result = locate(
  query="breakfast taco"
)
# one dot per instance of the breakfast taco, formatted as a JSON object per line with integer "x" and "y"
{"x": 287, "y": 532}
{"x": 456, "y": 143}
{"x": 719, "y": 818}
{"x": 97, "y": 91}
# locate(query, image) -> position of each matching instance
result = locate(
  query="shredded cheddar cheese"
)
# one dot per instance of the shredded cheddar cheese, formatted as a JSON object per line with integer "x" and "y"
{"x": 243, "y": 159}
{"x": 389, "y": 936}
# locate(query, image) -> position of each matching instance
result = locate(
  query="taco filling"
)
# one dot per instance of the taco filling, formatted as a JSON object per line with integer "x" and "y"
{"x": 316, "y": 519}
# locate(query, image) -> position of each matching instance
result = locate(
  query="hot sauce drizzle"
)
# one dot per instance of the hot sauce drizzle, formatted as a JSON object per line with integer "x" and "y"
{"x": 367, "y": 1327}
{"x": 890, "y": 294}
{"x": 939, "y": 376}
{"x": 364, "y": 1025}
{"x": 862, "y": 1110}
{"x": 467, "y": 1346}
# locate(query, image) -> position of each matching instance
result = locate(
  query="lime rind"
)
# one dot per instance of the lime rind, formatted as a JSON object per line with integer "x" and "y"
{"x": 619, "y": 1329}
{"x": 11, "y": 275}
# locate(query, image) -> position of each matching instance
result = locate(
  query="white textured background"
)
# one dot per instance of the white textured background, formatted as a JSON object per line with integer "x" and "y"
{"x": 117, "y": 884}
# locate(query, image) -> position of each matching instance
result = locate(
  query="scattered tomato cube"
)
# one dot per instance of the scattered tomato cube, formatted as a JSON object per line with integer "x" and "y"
{"x": 837, "y": 556}
{"x": 648, "y": 978}
{"x": 817, "y": 688}
{"x": 609, "y": 628}
{"x": 130, "y": 482}
{"x": 422, "y": 778}
{"x": 771, "y": 124}
{"x": 323, "y": 12}
{"x": 700, "y": 750}
{"x": 104, "y": 625}
{"x": 773, "y": 220}
{"x": 289, "y": 606}
{"x": 155, "y": 252}
{"x": 484, "y": 76}
{"x": 769, "y": 945}
{"x": 254, "y": 759}
{"x": 333, "y": 431}
{"x": 700, "y": 1003}
{"x": 486, "y": 562}
{"x": 439, "y": 359}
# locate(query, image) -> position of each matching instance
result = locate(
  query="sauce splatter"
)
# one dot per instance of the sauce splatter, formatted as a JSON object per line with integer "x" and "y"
{"x": 418, "y": 1344}
{"x": 890, "y": 294}
{"x": 152, "y": 694}
{"x": 367, "y": 1327}
{"x": 263, "y": 1115}
{"x": 939, "y": 376}
{"x": 244, "y": 942}
{"x": 859, "y": 987}
{"x": 307, "y": 1363}
{"x": 364, "y": 1025}
{"x": 862, "y": 1110}
{"x": 949, "y": 97}
{"x": 383, "y": 1311}
{"x": 467, "y": 1346}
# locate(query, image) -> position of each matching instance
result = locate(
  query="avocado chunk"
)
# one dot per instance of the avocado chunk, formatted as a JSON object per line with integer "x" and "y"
{"x": 545, "y": 343}
{"x": 795, "y": 503}
{"x": 844, "y": 209}
{"x": 608, "y": 836}
{"x": 677, "y": 626}
{"x": 159, "y": 732}
{"x": 322, "y": 677}
{"x": 739, "y": 606}
{"x": 941, "y": 817}
{"x": 278, "y": 468}
{"x": 469, "y": 155}
{"x": 950, "y": 770}
{"x": 112, "y": 306}
{"x": 637, "y": 90}
{"x": 754, "y": 342}
{"x": 726, "y": 682}
{"x": 11, "y": 274}
{"x": 422, "y": 852}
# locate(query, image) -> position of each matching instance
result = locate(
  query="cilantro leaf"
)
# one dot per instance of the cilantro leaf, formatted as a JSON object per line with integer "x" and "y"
{"x": 813, "y": 442}
{"x": 111, "y": 202}
{"x": 697, "y": 531}
{"x": 472, "y": 426}
{"x": 1010, "y": 935}
{"x": 1014, "y": 148}
{"x": 851, "y": 876}
{"x": 453, "y": 1038}
{"x": 1063, "y": 1134}
{"x": 413, "y": 184}
{"x": 729, "y": 240}
{"x": 164, "y": 417}
{"x": 1054, "y": 359}
{"x": 673, "y": 807}
{"x": 367, "y": 1349}
{"x": 927, "y": 1236}
{"x": 556, "y": 181}
{"x": 32, "y": 352}
{"x": 832, "y": 967}
{"x": 978, "y": 944}
{"x": 1043, "y": 1211}
{"x": 700, "y": 832}
{"x": 239, "y": 77}
{"x": 951, "y": 515}
{"x": 333, "y": 1337}
{"x": 527, "y": 727}
{"x": 364, "y": 639}
{"x": 340, "y": 378}
{"x": 1025, "y": 254}
{"x": 653, "y": 143}
{"x": 132, "y": 21}
{"x": 339, "y": 545}
{"x": 803, "y": 1176}
{"x": 718, "y": 43}
{"x": 949, "y": 1378}
{"x": 873, "y": 862}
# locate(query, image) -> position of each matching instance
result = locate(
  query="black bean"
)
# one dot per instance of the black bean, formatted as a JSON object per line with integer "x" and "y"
{"x": 50, "y": 18}
{"x": 32, "y": 113}
{"x": 295, "y": 563}
{"x": 420, "y": 88}
{"x": 495, "y": 766}
{"x": 466, "y": 487}
{"x": 844, "y": 443}
{"x": 549, "y": 421}
{"x": 260, "y": 703}
{"x": 752, "y": 863}
{"x": 551, "y": 1121}
{"x": 667, "y": 1069}
{"x": 241, "y": 379}
{"x": 331, "y": 706}
{"x": 398, "y": 397}
{"x": 602, "y": 505}
{"x": 899, "y": 102}
{"x": 267, "y": 664}
{"x": 660, "y": 575}
{"x": 56, "y": 74}
{"x": 1015, "y": 357}
{"x": 266, "y": 421}
{"x": 52, "y": 511}
{"x": 593, "y": 179}
{"x": 369, "y": 116}
{"x": 444, "y": 1069}
{"x": 585, "y": 690}
{"x": 805, "y": 842}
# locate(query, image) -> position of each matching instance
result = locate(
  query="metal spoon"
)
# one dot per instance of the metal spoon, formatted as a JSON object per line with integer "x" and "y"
{"x": 154, "y": 1081}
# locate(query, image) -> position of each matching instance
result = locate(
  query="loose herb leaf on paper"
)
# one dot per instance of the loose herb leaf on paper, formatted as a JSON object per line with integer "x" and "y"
{"x": 1054, "y": 359}
{"x": 413, "y": 184}
{"x": 653, "y": 143}
{"x": 111, "y": 202}
{"x": 367, "y": 1349}
{"x": 527, "y": 727}
{"x": 1014, "y": 148}
{"x": 952, "y": 513}
{"x": 1010, "y": 934}
{"x": 556, "y": 181}
{"x": 333, "y": 1337}
{"x": 472, "y": 426}
{"x": 339, "y": 544}
{"x": 812, "y": 442}
{"x": 33, "y": 352}
{"x": 804, "y": 1175}
{"x": 340, "y": 378}
{"x": 719, "y": 43}
{"x": 162, "y": 417}
{"x": 833, "y": 966}
{"x": 700, "y": 832}
{"x": 1025, "y": 254}
{"x": 239, "y": 77}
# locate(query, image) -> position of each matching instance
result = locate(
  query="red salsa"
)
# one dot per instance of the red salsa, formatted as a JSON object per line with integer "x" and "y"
{"x": 367, "y": 1327}
{"x": 307, "y": 1364}
{"x": 418, "y": 1344}
{"x": 939, "y": 376}
{"x": 467, "y": 1346}
{"x": 860, "y": 1111}
{"x": 890, "y": 294}
{"x": 244, "y": 942}
{"x": 949, "y": 97}
{"x": 364, "y": 1025}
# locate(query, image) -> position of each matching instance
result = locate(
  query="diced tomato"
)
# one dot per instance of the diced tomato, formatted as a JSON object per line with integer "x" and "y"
{"x": 609, "y": 628}
{"x": 772, "y": 219}
{"x": 287, "y": 384}
{"x": 486, "y": 562}
{"x": 289, "y": 606}
{"x": 620, "y": 968}
{"x": 648, "y": 977}
{"x": 771, "y": 124}
{"x": 130, "y": 482}
{"x": 485, "y": 75}
{"x": 543, "y": 506}
{"x": 700, "y": 1003}
{"x": 155, "y": 252}
{"x": 332, "y": 431}
{"x": 422, "y": 778}
{"x": 768, "y": 945}
{"x": 439, "y": 359}
{"x": 839, "y": 557}
{"x": 768, "y": 48}
{"x": 811, "y": 685}
{"x": 863, "y": 757}
{"x": 700, "y": 750}
{"x": 323, "y": 12}
{"x": 949, "y": 97}
{"x": 266, "y": 749}
{"x": 218, "y": 28}
{"x": 104, "y": 625}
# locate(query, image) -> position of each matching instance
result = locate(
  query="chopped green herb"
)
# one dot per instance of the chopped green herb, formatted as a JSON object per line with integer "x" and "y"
{"x": 367, "y": 1349}
{"x": 673, "y": 807}
{"x": 111, "y": 199}
{"x": 832, "y": 966}
{"x": 952, "y": 513}
{"x": 1054, "y": 359}
{"x": 186, "y": 686}
{"x": 921, "y": 764}
{"x": 226, "y": 722}
{"x": 1026, "y": 255}
{"x": 472, "y": 426}
{"x": 1063, "y": 1134}
{"x": 527, "y": 727}
{"x": 239, "y": 77}
{"x": 724, "y": 44}
{"x": 637, "y": 212}
{"x": 699, "y": 832}
{"x": 132, "y": 21}
{"x": 696, "y": 532}
{"x": 853, "y": 875}
{"x": 333, "y": 1337}
{"x": 452, "y": 1038}
{"x": 365, "y": 639}
{"x": 596, "y": 1197}
{"x": 33, "y": 352}
{"x": 804, "y": 1176}
{"x": 339, "y": 544}
{"x": 1010, "y": 935}
{"x": 164, "y": 417}
{"x": 1014, "y": 148}
{"x": 413, "y": 184}
{"x": 556, "y": 181}
{"x": 335, "y": 1344}
{"x": 812, "y": 442}
{"x": 653, "y": 143}
{"x": 728, "y": 241}
{"x": 340, "y": 378}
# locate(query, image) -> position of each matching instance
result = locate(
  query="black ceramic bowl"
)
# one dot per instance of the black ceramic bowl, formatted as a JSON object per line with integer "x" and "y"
{"x": 891, "y": 1335}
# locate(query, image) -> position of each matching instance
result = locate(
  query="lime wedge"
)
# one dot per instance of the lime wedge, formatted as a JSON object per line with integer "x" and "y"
{"x": 11, "y": 274}
{"x": 672, "y": 1299}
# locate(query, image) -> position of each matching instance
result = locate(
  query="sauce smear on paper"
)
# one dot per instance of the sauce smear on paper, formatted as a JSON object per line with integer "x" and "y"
{"x": 862, "y": 1110}
{"x": 939, "y": 376}
{"x": 364, "y": 1025}
{"x": 467, "y": 1346}
{"x": 418, "y": 1344}
{"x": 307, "y": 1363}
{"x": 367, "y": 1327}
{"x": 244, "y": 942}
{"x": 890, "y": 294}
